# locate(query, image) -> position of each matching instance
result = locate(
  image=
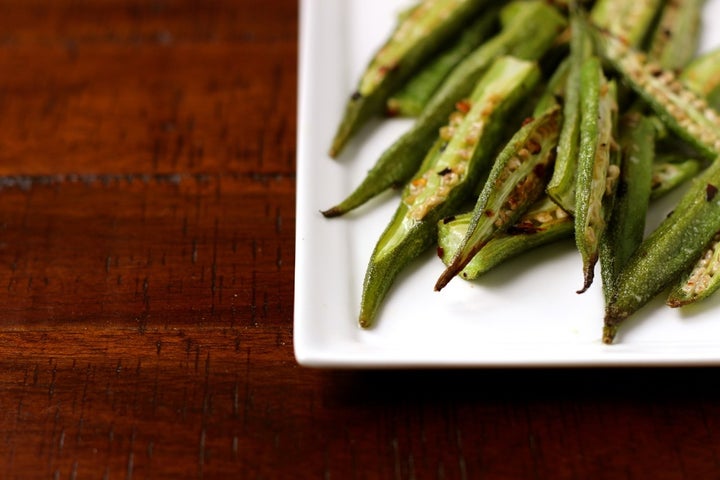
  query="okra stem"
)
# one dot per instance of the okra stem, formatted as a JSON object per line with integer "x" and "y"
{"x": 529, "y": 37}
{"x": 419, "y": 35}
{"x": 446, "y": 181}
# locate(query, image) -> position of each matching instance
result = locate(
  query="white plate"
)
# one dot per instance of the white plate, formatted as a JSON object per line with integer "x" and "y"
{"x": 525, "y": 313}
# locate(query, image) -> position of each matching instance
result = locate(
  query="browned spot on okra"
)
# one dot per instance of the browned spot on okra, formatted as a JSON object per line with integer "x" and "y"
{"x": 444, "y": 171}
{"x": 710, "y": 192}
{"x": 463, "y": 106}
{"x": 440, "y": 252}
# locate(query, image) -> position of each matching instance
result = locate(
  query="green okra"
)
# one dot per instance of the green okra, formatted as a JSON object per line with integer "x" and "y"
{"x": 668, "y": 251}
{"x": 685, "y": 113}
{"x": 561, "y": 187}
{"x": 411, "y": 98}
{"x": 529, "y": 36}
{"x": 676, "y": 37}
{"x": 626, "y": 226}
{"x": 701, "y": 281}
{"x": 670, "y": 171}
{"x": 448, "y": 175}
{"x": 597, "y": 168}
{"x": 545, "y": 222}
{"x": 702, "y": 75}
{"x": 420, "y": 33}
{"x": 630, "y": 20}
{"x": 517, "y": 179}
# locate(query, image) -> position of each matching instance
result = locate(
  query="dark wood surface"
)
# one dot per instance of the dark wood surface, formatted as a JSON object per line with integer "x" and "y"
{"x": 147, "y": 182}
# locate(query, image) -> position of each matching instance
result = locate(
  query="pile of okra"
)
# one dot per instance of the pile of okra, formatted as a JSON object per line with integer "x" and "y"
{"x": 535, "y": 121}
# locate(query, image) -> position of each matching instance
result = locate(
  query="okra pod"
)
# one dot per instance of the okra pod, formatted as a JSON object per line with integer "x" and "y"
{"x": 626, "y": 226}
{"x": 669, "y": 171}
{"x": 561, "y": 187}
{"x": 411, "y": 98}
{"x": 685, "y": 112}
{"x": 444, "y": 183}
{"x": 702, "y": 75}
{"x": 544, "y": 223}
{"x": 702, "y": 281}
{"x": 632, "y": 21}
{"x": 675, "y": 39}
{"x": 518, "y": 178}
{"x": 668, "y": 251}
{"x": 419, "y": 35}
{"x": 597, "y": 169}
{"x": 529, "y": 36}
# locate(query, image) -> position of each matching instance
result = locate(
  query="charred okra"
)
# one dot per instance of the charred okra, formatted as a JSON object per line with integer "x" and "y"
{"x": 517, "y": 179}
{"x": 448, "y": 175}
{"x": 418, "y": 35}
{"x": 529, "y": 36}
{"x": 542, "y": 224}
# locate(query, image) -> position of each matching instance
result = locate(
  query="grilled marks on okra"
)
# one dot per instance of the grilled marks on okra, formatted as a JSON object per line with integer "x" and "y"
{"x": 518, "y": 178}
{"x": 448, "y": 176}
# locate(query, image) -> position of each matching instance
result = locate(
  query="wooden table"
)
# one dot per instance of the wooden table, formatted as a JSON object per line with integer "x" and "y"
{"x": 147, "y": 174}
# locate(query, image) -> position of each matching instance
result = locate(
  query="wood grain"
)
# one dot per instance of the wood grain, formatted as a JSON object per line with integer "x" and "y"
{"x": 147, "y": 185}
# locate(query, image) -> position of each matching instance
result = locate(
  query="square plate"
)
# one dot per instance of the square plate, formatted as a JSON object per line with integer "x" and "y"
{"x": 525, "y": 313}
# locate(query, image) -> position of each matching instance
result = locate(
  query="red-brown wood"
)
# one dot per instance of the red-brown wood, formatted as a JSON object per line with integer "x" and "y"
{"x": 147, "y": 196}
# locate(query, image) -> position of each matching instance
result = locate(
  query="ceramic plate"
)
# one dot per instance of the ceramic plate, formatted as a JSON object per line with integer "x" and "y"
{"x": 524, "y": 313}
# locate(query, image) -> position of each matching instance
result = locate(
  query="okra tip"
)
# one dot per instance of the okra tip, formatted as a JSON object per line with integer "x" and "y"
{"x": 589, "y": 276}
{"x": 332, "y": 212}
{"x": 611, "y": 323}
{"x": 450, "y": 272}
{"x": 609, "y": 332}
